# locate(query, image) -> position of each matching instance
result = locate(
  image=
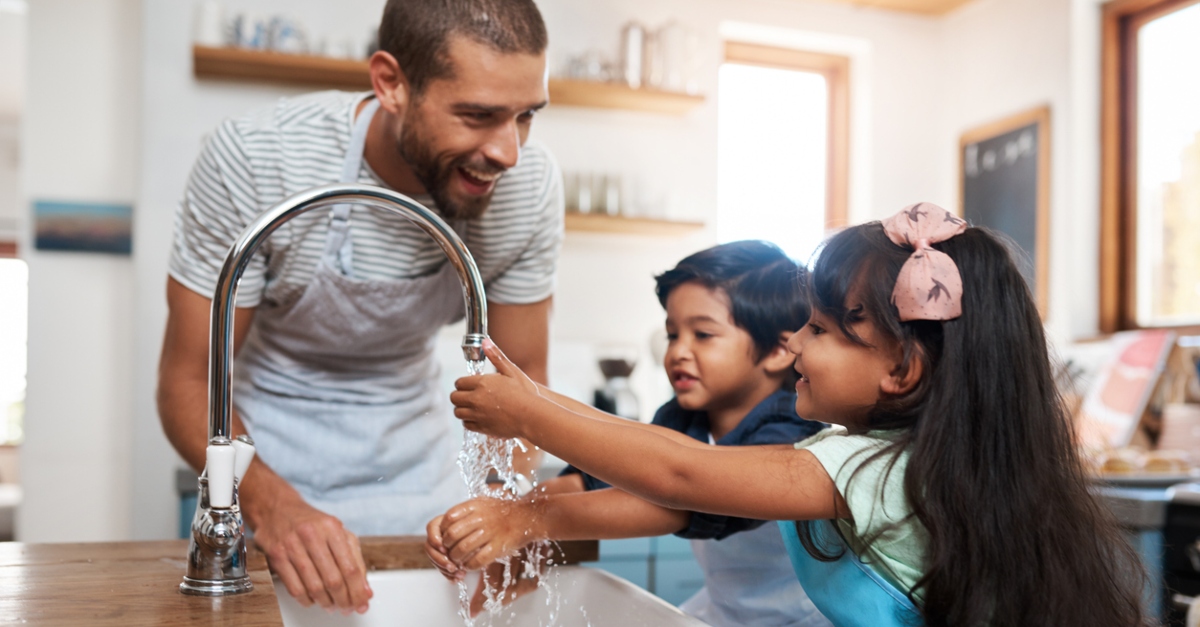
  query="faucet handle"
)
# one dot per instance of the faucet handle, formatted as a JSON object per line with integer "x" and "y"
{"x": 243, "y": 446}
{"x": 220, "y": 457}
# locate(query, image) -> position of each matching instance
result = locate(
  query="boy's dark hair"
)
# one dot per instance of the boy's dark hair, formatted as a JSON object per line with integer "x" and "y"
{"x": 765, "y": 288}
{"x": 417, "y": 33}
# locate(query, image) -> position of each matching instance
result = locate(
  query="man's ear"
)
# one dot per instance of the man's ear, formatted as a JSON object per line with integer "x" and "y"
{"x": 390, "y": 84}
{"x": 780, "y": 359}
{"x": 900, "y": 380}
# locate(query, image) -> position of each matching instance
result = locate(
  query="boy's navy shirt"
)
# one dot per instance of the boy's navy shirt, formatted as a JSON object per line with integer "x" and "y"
{"x": 773, "y": 421}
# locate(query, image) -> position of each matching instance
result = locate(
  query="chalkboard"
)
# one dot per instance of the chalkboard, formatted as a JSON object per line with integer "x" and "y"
{"x": 1004, "y": 181}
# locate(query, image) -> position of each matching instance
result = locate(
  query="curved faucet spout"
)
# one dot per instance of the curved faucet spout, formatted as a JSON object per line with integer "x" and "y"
{"x": 220, "y": 401}
{"x": 217, "y": 551}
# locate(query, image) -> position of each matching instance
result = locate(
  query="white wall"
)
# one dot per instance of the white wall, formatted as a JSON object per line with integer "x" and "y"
{"x": 80, "y": 142}
{"x": 597, "y": 300}
{"x": 12, "y": 63}
{"x": 9, "y": 178}
{"x": 1001, "y": 57}
{"x": 12, "y": 98}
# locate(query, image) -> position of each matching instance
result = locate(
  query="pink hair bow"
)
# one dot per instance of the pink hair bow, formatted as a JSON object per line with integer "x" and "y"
{"x": 929, "y": 286}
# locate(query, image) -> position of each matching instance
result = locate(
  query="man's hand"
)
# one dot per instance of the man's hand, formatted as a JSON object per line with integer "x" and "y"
{"x": 317, "y": 560}
{"x": 481, "y": 531}
{"x": 494, "y": 404}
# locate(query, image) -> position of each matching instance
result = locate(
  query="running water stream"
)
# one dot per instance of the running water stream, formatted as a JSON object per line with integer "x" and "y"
{"x": 480, "y": 455}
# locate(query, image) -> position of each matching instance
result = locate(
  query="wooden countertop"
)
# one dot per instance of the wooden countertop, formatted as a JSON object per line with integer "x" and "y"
{"x": 137, "y": 583}
{"x": 121, "y": 583}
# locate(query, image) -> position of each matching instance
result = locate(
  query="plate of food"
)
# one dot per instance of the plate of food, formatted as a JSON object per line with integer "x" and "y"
{"x": 1146, "y": 469}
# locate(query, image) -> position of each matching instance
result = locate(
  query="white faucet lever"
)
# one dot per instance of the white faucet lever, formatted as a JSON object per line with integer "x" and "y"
{"x": 219, "y": 469}
{"x": 243, "y": 446}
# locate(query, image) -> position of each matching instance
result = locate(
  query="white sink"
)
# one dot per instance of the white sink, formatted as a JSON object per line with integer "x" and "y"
{"x": 422, "y": 598}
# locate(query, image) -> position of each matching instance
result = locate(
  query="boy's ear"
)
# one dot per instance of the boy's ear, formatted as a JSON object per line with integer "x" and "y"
{"x": 900, "y": 381}
{"x": 780, "y": 359}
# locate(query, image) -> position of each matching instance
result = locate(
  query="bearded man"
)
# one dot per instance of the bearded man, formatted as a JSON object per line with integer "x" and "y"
{"x": 338, "y": 312}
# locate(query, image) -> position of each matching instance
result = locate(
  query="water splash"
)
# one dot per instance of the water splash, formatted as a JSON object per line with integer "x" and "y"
{"x": 481, "y": 455}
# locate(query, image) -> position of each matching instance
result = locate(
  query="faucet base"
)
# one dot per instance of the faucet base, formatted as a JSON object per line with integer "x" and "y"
{"x": 215, "y": 587}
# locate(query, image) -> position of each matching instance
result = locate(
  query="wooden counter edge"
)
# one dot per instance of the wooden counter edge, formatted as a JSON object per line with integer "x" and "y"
{"x": 408, "y": 552}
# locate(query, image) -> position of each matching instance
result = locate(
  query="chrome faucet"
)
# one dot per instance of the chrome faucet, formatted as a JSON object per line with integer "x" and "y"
{"x": 217, "y": 551}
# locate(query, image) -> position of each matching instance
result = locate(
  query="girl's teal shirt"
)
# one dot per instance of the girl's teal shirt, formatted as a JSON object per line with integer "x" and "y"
{"x": 881, "y": 531}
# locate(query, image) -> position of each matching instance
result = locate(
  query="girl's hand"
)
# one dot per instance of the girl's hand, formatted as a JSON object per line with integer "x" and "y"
{"x": 437, "y": 551}
{"x": 478, "y": 532}
{"x": 493, "y": 404}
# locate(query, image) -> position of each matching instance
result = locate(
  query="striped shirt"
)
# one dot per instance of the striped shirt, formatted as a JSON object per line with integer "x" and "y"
{"x": 253, "y": 162}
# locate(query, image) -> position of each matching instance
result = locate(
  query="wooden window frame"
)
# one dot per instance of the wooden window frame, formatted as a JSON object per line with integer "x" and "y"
{"x": 836, "y": 70}
{"x": 1121, "y": 21}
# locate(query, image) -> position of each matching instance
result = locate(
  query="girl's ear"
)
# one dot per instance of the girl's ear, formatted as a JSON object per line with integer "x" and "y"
{"x": 780, "y": 359}
{"x": 902, "y": 380}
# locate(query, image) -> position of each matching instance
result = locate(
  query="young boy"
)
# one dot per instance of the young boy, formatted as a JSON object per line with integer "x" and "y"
{"x": 730, "y": 310}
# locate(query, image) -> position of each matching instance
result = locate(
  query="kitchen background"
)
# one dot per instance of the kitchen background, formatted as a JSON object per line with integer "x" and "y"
{"x": 104, "y": 101}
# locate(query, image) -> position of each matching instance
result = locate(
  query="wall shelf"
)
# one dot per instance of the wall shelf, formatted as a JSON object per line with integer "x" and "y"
{"x": 923, "y": 7}
{"x": 616, "y": 96}
{"x": 297, "y": 69}
{"x": 275, "y": 67}
{"x": 596, "y": 223}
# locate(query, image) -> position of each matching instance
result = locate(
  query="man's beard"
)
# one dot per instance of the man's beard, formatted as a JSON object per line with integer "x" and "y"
{"x": 435, "y": 176}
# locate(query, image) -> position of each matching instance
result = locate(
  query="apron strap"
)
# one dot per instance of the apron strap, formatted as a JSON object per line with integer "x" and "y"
{"x": 339, "y": 249}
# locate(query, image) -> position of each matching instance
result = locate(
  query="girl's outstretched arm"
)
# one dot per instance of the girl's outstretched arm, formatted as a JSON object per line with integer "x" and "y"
{"x": 521, "y": 388}
{"x": 767, "y": 483}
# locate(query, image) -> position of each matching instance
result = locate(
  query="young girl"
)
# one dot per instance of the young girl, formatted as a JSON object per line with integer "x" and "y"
{"x": 953, "y": 478}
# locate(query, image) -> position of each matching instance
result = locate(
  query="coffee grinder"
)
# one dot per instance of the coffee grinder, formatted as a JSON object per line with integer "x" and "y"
{"x": 617, "y": 397}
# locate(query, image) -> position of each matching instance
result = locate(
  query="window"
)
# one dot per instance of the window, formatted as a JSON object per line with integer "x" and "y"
{"x": 1150, "y": 215}
{"x": 782, "y": 138}
{"x": 14, "y": 307}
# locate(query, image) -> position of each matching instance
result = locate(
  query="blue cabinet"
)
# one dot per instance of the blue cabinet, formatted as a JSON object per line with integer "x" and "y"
{"x": 664, "y": 565}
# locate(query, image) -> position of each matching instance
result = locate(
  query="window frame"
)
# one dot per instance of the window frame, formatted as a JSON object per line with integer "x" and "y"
{"x": 836, "y": 70}
{"x": 1121, "y": 20}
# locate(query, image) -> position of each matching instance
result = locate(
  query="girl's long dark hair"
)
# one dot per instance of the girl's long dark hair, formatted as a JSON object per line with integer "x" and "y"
{"x": 1015, "y": 537}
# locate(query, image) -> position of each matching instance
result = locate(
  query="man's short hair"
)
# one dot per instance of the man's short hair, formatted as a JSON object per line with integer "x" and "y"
{"x": 765, "y": 288}
{"x": 417, "y": 32}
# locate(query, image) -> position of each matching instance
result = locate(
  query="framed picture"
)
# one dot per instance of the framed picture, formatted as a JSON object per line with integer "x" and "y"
{"x": 1004, "y": 184}
{"x": 1117, "y": 398}
{"x": 83, "y": 227}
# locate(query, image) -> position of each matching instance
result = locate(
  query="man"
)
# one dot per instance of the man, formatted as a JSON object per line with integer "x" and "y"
{"x": 338, "y": 312}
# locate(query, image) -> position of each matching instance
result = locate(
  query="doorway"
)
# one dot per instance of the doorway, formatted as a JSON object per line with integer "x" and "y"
{"x": 14, "y": 274}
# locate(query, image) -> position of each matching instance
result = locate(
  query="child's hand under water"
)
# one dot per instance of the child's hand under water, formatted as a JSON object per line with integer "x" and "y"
{"x": 480, "y": 531}
{"x": 493, "y": 403}
{"x": 437, "y": 551}
{"x": 464, "y": 524}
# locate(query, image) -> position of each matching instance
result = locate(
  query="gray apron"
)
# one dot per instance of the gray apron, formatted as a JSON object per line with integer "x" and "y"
{"x": 341, "y": 389}
{"x": 749, "y": 582}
